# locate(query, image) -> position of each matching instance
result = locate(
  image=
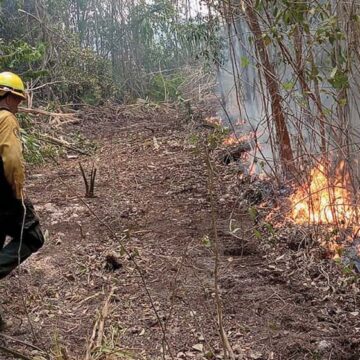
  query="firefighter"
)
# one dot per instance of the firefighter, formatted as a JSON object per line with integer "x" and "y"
{"x": 18, "y": 221}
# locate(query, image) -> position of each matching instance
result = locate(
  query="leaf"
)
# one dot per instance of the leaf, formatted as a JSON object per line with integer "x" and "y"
{"x": 312, "y": 11}
{"x": 122, "y": 251}
{"x": 256, "y": 355}
{"x": 258, "y": 5}
{"x": 288, "y": 85}
{"x": 258, "y": 234}
{"x": 267, "y": 39}
{"x": 333, "y": 72}
{"x": 343, "y": 102}
{"x": 245, "y": 61}
{"x": 156, "y": 144}
{"x": 253, "y": 213}
{"x": 206, "y": 241}
{"x": 198, "y": 347}
{"x": 209, "y": 355}
{"x": 269, "y": 228}
{"x": 338, "y": 79}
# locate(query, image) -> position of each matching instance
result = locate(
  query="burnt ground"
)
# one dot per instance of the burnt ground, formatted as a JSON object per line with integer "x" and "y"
{"x": 279, "y": 301}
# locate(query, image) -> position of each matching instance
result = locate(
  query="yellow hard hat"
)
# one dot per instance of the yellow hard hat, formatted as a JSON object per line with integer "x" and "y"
{"x": 10, "y": 82}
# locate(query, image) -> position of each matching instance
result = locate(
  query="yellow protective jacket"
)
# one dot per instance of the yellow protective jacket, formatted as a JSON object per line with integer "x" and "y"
{"x": 12, "y": 169}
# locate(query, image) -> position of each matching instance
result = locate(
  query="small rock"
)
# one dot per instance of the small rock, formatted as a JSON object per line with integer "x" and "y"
{"x": 324, "y": 345}
{"x": 198, "y": 347}
{"x": 135, "y": 330}
{"x": 189, "y": 354}
{"x": 50, "y": 207}
{"x": 256, "y": 355}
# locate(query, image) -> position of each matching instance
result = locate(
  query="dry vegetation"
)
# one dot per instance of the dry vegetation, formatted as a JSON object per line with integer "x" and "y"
{"x": 206, "y": 210}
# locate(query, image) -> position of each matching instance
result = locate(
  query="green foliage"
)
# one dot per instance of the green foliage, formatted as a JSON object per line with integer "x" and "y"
{"x": 311, "y": 41}
{"x": 206, "y": 241}
{"x": 85, "y": 76}
{"x": 216, "y": 137}
{"x": 163, "y": 88}
{"x": 32, "y": 148}
{"x": 35, "y": 151}
{"x": 90, "y": 51}
{"x": 21, "y": 57}
{"x": 201, "y": 39}
{"x": 253, "y": 213}
{"x": 338, "y": 78}
{"x": 83, "y": 143}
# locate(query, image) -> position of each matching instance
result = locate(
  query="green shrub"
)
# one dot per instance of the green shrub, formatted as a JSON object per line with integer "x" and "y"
{"x": 163, "y": 88}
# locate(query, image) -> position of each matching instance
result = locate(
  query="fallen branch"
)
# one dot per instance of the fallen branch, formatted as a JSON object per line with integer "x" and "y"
{"x": 89, "y": 348}
{"x": 104, "y": 314}
{"x": 62, "y": 143}
{"x": 44, "y": 112}
{"x": 52, "y": 83}
{"x": 20, "y": 342}
{"x": 69, "y": 118}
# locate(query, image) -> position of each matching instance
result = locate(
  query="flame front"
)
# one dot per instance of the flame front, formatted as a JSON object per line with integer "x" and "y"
{"x": 233, "y": 139}
{"x": 212, "y": 120}
{"x": 324, "y": 201}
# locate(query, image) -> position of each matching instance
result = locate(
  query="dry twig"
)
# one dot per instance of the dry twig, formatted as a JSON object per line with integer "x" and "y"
{"x": 20, "y": 341}
{"x": 15, "y": 353}
{"x": 226, "y": 344}
{"x": 44, "y": 112}
{"x": 55, "y": 141}
{"x": 98, "y": 330}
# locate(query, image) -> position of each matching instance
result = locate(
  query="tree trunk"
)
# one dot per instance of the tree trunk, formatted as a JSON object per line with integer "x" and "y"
{"x": 286, "y": 154}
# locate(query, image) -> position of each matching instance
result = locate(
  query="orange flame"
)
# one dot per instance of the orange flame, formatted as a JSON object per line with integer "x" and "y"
{"x": 324, "y": 201}
{"x": 233, "y": 139}
{"x": 213, "y": 120}
{"x": 240, "y": 122}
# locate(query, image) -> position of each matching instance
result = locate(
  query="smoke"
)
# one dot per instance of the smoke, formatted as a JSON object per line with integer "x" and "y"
{"x": 243, "y": 106}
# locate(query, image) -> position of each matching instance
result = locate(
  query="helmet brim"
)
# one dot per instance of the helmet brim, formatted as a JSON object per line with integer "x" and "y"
{"x": 19, "y": 94}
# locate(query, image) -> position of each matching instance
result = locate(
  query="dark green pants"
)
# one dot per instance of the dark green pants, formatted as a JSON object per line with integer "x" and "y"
{"x": 25, "y": 240}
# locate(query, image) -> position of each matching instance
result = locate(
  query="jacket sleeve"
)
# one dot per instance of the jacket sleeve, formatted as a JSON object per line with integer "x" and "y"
{"x": 11, "y": 154}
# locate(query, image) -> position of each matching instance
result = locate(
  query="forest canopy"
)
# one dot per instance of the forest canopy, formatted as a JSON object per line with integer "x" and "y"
{"x": 92, "y": 50}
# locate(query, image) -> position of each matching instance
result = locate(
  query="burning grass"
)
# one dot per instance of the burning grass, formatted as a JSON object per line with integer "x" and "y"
{"x": 324, "y": 199}
{"x": 234, "y": 139}
{"x": 212, "y": 120}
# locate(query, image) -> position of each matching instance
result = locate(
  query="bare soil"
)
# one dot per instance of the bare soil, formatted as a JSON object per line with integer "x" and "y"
{"x": 279, "y": 301}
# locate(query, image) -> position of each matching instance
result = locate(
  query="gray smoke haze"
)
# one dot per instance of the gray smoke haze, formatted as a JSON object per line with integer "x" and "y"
{"x": 244, "y": 108}
{"x": 246, "y": 104}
